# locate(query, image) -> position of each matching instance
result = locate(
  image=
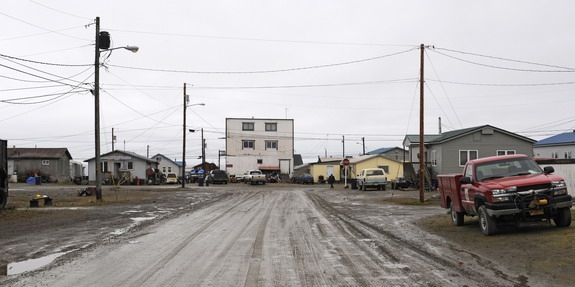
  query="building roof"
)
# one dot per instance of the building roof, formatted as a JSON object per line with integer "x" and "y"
{"x": 450, "y": 135}
{"x": 177, "y": 163}
{"x": 117, "y": 154}
{"x": 28, "y": 153}
{"x": 383, "y": 150}
{"x": 560, "y": 139}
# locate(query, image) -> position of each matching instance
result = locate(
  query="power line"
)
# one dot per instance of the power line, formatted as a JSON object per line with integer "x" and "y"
{"x": 265, "y": 71}
{"x": 569, "y": 70}
{"x": 46, "y": 63}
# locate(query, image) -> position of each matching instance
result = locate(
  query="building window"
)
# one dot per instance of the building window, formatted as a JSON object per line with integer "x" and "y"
{"x": 272, "y": 145}
{"x": 45, "y": 162}
{"x": 271, "y": 127}
{"x": 169, "y": 169}
{"x": 104, "y": 166}
{"x": 553, "y": 155}
{"x": 130, "y": 165}
{"x": 247, "y": 126}
{"x": 248, "y": 144}
{"x": 567, "y": 154}
{"x": 260, "y": 161}
{"x": 385, "y": 168}
{"x": 505, "y": 152}
{"x": 163, "y": 169}
{"x": 434, "y": 158}
{"x": 466, "y": 155}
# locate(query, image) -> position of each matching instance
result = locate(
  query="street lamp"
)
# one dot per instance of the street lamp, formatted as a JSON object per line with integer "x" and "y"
{"x": 186, "y": 100}
{"x": 98, "y": 163}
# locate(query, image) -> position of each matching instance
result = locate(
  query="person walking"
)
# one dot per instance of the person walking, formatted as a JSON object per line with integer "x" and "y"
{"x": 331, "y": 180}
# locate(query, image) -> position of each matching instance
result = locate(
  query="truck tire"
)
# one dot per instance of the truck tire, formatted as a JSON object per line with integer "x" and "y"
{"x": 486, "y": 223}
{"x": 563, "y": 218}
{"x": 364, "y": 187}
{"x": 3, "y": 199}
{"x": 456, "y": 216}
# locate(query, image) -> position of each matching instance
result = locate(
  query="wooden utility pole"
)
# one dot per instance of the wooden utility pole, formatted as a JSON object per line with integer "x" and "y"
{"x": 184, "y": 131}
{"x": 98, "y": 161}
{"x": 203, "y": 151}
{"x": 421, "y": 130}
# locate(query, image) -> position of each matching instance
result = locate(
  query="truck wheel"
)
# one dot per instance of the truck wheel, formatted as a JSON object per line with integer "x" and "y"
{"x": 364, "y": 187}
{"x": 456, "y": 216}
{"x": 486, "y": 223}
{"x": 563, "y": 218}
{"x": 3, "y": 199}
{"x": 383, "y": 187}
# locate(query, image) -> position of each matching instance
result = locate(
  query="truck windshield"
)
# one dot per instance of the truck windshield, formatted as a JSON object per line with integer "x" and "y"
{"x": 506, "y": 168}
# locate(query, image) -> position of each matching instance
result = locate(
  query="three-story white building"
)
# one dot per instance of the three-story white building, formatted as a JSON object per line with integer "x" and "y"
{"x": 264, "y": 144}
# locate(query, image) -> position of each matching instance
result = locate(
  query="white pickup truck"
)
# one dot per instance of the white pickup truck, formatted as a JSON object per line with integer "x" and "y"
{"x": 372, "y": 178}
{"x": 254, "y": 177}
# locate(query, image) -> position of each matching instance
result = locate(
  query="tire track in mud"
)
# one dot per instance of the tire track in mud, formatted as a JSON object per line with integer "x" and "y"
{"x": 252, "y": 277}
{"x": 157, "y": 267}
{"x": 360, "y": 229}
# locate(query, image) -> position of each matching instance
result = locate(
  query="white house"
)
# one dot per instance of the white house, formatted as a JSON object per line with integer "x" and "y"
{"x": 264, "y": 144}
{"x": 557, "y": 146}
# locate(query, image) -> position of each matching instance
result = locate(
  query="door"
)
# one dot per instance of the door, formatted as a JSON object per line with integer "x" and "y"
{"x": 329, "y": 171}
{"x": 285, "y": 166}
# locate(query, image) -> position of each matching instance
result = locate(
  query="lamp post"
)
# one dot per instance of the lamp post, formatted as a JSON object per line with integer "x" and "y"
{"x": 186, "y": 100}
{"x": 98, "y": 163}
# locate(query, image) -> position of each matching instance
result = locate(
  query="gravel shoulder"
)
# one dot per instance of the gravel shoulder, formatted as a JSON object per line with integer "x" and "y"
{"x": 543, "y": 253}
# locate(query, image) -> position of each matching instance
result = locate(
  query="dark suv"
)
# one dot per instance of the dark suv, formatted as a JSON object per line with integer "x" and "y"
{"x": 217, "y": 176}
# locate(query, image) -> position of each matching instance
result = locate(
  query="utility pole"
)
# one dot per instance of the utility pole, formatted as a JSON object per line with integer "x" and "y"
{"x": 363, "y": 143}
{"x": 98, "y": 160}
{"x": 343, "y": 145}
{"x": 113, "y": 140}
{"x": 203, "y": 151}
{"x": 183, "y": 174}
{"x": 421, "y": 129}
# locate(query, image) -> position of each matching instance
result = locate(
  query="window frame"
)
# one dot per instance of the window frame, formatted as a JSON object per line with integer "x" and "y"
{"x": 248, "y": 126}
{"x": 467, "y": 156}
{"x": 271, "y": 144}
{"x": 246, "y": 144}
{"x": 271, "y": 127}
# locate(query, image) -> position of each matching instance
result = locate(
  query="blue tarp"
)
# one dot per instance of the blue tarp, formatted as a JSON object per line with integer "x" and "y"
{"x": 31, "y": 180}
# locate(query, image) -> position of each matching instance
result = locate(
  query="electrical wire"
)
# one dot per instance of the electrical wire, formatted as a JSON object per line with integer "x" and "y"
{"x": 570, "y": 70}
{"x": 46, "y": 63}
{"x": 265, "y": 71}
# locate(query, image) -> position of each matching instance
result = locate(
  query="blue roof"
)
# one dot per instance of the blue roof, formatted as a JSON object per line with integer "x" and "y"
{"x": 564, "y": 138}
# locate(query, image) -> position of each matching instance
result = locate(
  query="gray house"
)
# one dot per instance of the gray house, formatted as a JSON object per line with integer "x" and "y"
{"x": 121, "y": 167}
{"x": 448, "y": 152}
{"x": 52, "y": 164}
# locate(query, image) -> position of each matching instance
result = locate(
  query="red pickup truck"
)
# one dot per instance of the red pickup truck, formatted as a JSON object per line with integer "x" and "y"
{"x": 511, "y": 188}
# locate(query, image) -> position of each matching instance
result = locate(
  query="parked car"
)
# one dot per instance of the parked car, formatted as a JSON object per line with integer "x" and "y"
{"x": 304, "y": 178}
{"x": 217, "y": 176}
{"x": 171, "y": 178}
{"x": 371, "y": 178}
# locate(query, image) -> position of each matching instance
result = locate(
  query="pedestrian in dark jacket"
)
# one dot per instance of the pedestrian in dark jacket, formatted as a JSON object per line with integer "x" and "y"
{"x": 331, "y": 180}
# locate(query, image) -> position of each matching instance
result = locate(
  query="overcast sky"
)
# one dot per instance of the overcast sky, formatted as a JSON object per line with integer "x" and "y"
{"x": 337, "y": 68}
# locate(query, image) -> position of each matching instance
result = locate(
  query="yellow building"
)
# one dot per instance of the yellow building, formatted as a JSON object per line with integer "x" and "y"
{"x": 326, "y": 166}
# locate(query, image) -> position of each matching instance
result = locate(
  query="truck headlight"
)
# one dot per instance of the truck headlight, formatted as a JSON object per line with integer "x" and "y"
{"x": 559, "y": 187}
{"x": 501, "y": 194}
{"x": 558, "y": 184}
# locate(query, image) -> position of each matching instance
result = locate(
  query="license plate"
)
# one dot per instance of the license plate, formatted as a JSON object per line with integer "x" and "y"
{"x": 536, "y": 212}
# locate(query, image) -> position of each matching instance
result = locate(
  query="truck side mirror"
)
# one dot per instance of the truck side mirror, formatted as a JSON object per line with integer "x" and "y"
{"x": 465, "y": 180}
{"x": 548, "y": 170}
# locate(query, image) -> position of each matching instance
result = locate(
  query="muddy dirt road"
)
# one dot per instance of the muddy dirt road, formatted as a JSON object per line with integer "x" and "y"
{"x": 277, "y": 236}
